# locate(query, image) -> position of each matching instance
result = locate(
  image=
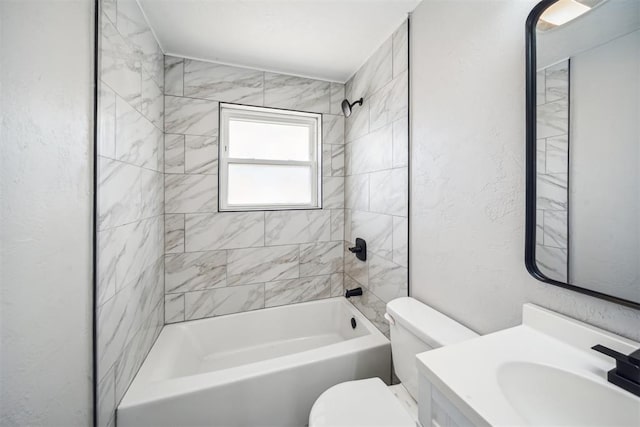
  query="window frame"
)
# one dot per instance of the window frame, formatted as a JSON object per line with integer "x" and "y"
{"x": 228, "y": 111}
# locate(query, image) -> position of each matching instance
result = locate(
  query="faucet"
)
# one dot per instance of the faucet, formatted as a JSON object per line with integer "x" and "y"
{"x": 353, "y": 292}
{"x": 626, "y": 374}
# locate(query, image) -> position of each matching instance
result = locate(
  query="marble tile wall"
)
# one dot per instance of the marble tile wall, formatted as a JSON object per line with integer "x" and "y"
{"x": 226, "y": 262}
{"x": 552, "y": 225}
{"x": 130, "y": 195}
{"x": 376, "y": 180}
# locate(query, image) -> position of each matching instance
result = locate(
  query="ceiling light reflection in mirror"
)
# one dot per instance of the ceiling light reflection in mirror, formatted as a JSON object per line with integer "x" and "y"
{"x": 564, "y": 11}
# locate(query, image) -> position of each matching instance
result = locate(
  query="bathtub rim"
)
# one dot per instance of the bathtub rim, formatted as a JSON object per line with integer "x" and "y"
{"x": 144, "y": 390}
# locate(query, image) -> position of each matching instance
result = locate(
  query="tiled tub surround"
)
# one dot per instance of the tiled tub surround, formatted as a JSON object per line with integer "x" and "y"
{"x": 130, "y": 200}
{"x": 376, "y": 183}
{"x": 226, "y": 262}
{"x": 552, "y": 224}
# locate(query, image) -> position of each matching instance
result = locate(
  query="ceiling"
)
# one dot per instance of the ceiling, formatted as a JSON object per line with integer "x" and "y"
{"x": 324, "y": 39}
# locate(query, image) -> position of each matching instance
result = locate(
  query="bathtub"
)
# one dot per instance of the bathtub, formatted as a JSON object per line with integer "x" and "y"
{"x": 258, "y": 368}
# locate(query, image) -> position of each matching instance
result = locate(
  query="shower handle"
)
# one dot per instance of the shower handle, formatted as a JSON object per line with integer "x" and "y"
{"x": 360, "y": 249}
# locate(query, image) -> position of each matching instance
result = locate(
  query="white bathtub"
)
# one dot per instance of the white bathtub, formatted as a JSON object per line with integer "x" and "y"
{"x": 259, "y": 368}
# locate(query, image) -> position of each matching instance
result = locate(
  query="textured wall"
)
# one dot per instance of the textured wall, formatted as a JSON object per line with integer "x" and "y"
{"x": 552, "y": 147}
{"x": 130, "y": 199}
{"x": 467, "y": 183}
{"x": 46, "y": 111}
{"x": 376, "y": 187}
{"x": 227, "y": 262}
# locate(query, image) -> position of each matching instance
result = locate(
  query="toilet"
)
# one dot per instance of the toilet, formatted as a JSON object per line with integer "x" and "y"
{"x": 415, "y": 328}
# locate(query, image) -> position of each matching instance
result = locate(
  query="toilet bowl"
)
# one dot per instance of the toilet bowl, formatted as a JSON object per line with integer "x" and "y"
{"x": 415, "y": 328}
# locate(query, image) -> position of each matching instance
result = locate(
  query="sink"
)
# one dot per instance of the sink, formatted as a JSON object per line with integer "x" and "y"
{"x": 544, "y": 395}
{"x": 543, "y": 372}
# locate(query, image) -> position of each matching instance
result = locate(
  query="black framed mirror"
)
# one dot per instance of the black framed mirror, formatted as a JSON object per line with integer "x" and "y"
{"x": 583, "y": 147}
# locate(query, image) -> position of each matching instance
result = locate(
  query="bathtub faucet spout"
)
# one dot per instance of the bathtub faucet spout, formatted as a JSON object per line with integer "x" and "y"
{"x": 353, "y": 292}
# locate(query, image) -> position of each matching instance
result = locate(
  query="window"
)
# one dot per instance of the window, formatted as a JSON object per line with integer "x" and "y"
{"x": 269, "y": 159}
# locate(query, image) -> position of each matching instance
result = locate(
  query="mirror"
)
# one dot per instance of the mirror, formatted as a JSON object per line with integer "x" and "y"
{"x": 583, "y": 147}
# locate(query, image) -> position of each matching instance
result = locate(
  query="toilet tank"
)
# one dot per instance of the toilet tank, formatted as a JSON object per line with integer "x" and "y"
{"x": 415, "y": 328}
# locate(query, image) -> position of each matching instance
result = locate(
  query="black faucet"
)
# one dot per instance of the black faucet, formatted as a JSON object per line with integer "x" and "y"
{"x": 353, "y": 292}
{"x": 626, "y": 374}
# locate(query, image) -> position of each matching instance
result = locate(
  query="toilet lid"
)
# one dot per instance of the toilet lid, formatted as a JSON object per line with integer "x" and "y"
{"x": 359, "y": 403}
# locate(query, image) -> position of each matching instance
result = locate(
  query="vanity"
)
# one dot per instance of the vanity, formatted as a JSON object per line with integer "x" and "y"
{"x": 541, "y": 373}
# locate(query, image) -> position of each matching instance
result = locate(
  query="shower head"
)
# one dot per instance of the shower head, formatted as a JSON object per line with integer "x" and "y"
{"x": 346, "y": 106}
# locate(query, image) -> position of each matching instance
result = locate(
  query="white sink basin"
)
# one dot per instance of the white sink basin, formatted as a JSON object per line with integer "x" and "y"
{"x": 541, "y": 373}
{"x": 545, "y": 396}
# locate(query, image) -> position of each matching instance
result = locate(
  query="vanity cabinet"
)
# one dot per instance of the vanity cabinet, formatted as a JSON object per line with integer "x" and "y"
{"x": 435, "y": 410}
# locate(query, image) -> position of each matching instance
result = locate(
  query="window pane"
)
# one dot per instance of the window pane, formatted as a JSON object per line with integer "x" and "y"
{"x": 269, "y": 184}
{"x": 269, "y": 141}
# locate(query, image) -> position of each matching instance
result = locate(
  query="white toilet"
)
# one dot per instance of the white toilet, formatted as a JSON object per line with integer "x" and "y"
{"x": 415, "y": 328}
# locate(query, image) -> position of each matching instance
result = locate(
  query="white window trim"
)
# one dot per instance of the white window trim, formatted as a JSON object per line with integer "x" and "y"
{"x": 313, "y": 120}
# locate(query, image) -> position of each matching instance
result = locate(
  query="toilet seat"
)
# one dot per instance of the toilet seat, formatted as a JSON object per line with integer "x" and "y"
{"x": 364, "y": 403}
